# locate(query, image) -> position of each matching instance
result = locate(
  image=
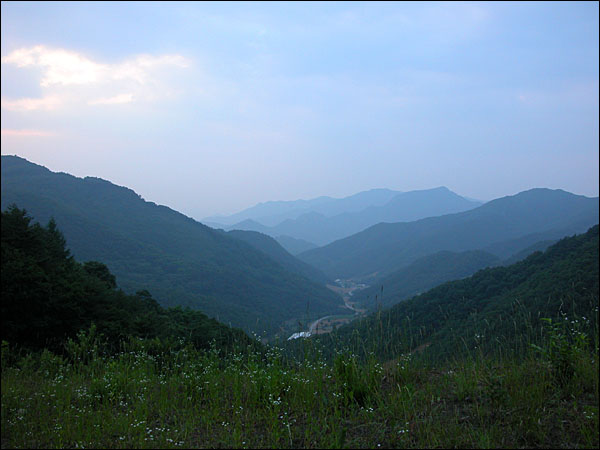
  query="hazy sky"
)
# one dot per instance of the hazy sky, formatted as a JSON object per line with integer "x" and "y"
{"x": 211, "y": 108}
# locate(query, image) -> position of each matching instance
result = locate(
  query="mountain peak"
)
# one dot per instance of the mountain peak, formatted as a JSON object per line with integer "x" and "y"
{"x": 179, "y": 260}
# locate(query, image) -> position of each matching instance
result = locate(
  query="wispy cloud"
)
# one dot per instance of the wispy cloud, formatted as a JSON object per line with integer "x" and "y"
{"x": 117, "y": 99}
{"x": 32, "y": 104}
{"x": 71, "y": 77}
{"x": 27, "y": 133}
{"x": 64, "y": 67}
{"x": 60, "y": 66}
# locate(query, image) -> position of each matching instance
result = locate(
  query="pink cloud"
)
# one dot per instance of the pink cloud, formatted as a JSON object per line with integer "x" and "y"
{"x": 27, "y": 133}
{"x": 31, "y": 104}
{"x": 64, "y": 67}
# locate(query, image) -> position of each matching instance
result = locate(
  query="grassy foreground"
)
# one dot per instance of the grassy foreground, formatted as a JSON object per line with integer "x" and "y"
{"x": 152, "y": 395}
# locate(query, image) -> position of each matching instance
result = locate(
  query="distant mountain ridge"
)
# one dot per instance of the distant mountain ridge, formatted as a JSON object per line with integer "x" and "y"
{"x": 272, "y": 213}
{"x": 322, "y": 228}
{"x": 530, "y": 216}
{"x": 276, "y": 252}
{"x": 148, "y": 246}
{"x": 293, "y": 245}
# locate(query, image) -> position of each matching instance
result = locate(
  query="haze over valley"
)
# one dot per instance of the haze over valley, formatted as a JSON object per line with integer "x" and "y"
{"x": 247, "y": 279}
{"x": 300, "y": 225}
{"x": 324, "y": 220}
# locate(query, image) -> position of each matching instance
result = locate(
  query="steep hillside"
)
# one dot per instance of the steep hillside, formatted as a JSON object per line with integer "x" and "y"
{"x": 539, "y": 246}
{"x": 293, "y": 245}
{"x": 432, "y": 270}
{"x": 148, "y": 246}
{"x": 276, "y": 252}
{"x": 523, "y": 219}
{"x": 495, "y": 307}
{"x": 48, "y": 298}
{"x": 422, "y": 275}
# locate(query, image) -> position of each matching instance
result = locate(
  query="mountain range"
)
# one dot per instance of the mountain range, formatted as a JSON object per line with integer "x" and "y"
{"x": 327, "y": 221}
{"x": 248, "y": 279}
{"x": 181, "y": 261}
{"x": 272, "y": 213}
{"x": 502, "y": 227}
{"x": 495, "y": 310}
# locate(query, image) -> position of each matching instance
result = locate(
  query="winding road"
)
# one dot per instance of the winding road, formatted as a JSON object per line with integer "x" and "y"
{"x": 346, "y": 293}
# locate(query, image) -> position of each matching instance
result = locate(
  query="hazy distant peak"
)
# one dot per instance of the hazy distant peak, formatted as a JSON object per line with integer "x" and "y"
{"x": 538, "y": 194}
{"x": 433, "y": 197}
{"x": 525, "y": 218}
{"x": 248, "y": 222}
{"x": 248, "y": 225}
{"x": 272, "y": 213}
{"x": 439, "y": 189}
{"x": 311, "y": 215}
{"x": 292, "y": 203}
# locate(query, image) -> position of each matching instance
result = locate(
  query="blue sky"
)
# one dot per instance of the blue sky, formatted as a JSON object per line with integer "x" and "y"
{"x": 212, "y": 107}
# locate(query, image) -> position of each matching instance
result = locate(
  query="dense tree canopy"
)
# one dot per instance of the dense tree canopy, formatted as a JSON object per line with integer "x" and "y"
{"x": 48, "y": 297}
{"x": 181, "y": 261}
{"x": 495, "y": 308}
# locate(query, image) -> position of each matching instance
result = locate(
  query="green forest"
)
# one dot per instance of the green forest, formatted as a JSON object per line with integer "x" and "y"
{"x": 497, "y": 309}
{"x": 288, "y": 225}
{"x": 505, "y": 358}
{"x": 179, "y": 260}
{"x": 423, "y": 274}
{"x": 48, "y": 297}
{"x": 503, "y": 227}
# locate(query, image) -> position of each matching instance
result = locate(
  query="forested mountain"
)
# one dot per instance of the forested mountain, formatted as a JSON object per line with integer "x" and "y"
{"x": 48, "y": 297}
{"x": 179, "y": 260}
{"x": 274, "y": 212}
{"x": 495, "y": 307}
{"x": 293, "y": 245}
{"x": 321, "y": 229}
{"x": 275, "y": 251}
{"x": 249, "y": 225}
{"x": 513, "y": 222}
{"x": 512, "y": 247}
{"x": 422, "y": 275}
{"x": 432, "y": 270}
{"x": 539, "y": 246}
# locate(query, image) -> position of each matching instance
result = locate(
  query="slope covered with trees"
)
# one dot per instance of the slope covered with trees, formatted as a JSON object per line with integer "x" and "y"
{"x": 293, "y": 245}
{"x": 48, "y": 297}
{"x": 519, "y": 220}
{"x": 422, "y": 275}
{"x": 276, "y": 252}
{"x": 149, "y": 392}
{"x": 496, "y": 307}
{"x": 179, "y": 260}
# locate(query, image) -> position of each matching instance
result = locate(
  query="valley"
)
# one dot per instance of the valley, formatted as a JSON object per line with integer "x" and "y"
{"x": 427, "y": 306}
{"x": 292, "y": 225}
{"x": 323, "y": 325}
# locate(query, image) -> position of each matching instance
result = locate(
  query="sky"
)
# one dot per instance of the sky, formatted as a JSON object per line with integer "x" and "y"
{"x": 210, "y": 108}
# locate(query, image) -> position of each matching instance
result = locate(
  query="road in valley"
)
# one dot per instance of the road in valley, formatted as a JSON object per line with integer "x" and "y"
{"x": 327, "y": 323}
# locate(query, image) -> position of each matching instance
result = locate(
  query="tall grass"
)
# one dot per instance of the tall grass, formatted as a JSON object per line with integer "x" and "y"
{"x": 156, "y": 395}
